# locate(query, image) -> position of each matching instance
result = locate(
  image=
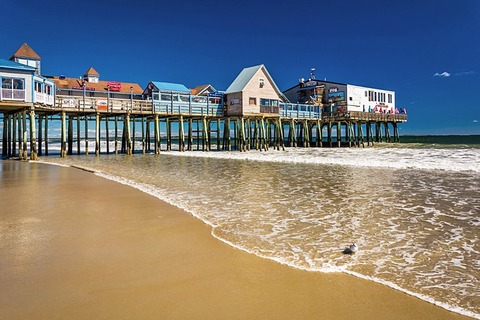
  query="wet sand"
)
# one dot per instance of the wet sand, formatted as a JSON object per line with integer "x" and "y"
{"x": 76, "y": 246}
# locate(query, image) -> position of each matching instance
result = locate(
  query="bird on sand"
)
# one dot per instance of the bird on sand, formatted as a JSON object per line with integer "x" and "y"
{"x": 350, "y": 249}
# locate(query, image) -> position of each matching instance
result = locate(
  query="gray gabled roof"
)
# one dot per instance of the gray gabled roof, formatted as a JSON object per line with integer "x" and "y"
{"x": 242, "y": 80}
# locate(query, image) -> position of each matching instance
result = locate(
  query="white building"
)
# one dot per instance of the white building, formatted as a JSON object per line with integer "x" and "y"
{"x": 21, "y": 82}
{"x": 338, "y": 97}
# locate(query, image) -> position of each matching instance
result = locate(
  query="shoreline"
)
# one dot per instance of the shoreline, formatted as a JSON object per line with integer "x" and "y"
{"x": 206, "y": 273}
{"x": 391, "y": 285}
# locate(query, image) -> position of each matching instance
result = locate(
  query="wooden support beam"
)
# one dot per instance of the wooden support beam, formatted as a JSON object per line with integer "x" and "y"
{"x": 144, "y": 145}
{"x": 86, "y": 134}
{"x": 63, "y": 147}
{"x": 9, "y": 135}
{"x": 148, "y": 135}
{"x": 181, "y": 134}
{"x": 387, "y": 133}
{"x": 97, "y": 134}
{"x": 205, "y": 133}
{"x": 128, "y": 137}
{"x": 169, "y": 134}
{"x": 115, "y": 119}
{"x": 107, "y": 133}
{"x": 157, "y": 135}
{"x": 33, "y": 134}
{"x": 19, "y": 134}
{"x": 395, "y": 132}
{"x": 360, "y": 133}
{"x": 78, "y": 134}
{"x": 190, "y": 135}
{"x": 4, "y": 136}
{"x": 329, "y": 133}
{"x": 306, "y": 134}
{"x": 46, "y": 135}
{"x": 229, "y": 138}
{"x": 218, "y": 134}
{"x": 40, "y": 135}
{"x": 70, "y": 135}
{"x": 134, "y": 132}
{"x": 319, "y": 133}
{"x": 12, "y": 135}
{"x": 256, "y": 133}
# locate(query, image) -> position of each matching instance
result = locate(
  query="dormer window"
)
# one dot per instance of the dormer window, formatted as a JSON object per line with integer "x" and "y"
{"x": 91, "y": 75}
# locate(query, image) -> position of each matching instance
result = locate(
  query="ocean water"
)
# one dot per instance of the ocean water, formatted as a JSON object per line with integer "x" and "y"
{"x": 413, "y": 209}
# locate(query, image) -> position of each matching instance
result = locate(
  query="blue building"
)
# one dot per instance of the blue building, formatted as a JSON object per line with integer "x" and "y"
{"x": 22, "y": 84}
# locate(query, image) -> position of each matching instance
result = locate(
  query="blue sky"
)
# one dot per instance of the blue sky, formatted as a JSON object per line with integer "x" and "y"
{"x": 426, "y": 51}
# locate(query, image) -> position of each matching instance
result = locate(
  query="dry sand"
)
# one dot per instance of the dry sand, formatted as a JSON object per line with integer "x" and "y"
{"x": 77, "y": 246}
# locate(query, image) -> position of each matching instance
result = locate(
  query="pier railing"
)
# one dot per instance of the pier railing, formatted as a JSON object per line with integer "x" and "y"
{"x": 364, "y": 116}
{"x": 74, "y": 103}
{"x": 299, "y": 111}
{"x": 205, "y": 107}
{"x": 45, "y": 98}
{"x": 190, "y": 107}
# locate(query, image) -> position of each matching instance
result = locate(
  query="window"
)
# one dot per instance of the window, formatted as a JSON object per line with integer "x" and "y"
{"x": 9, "y": 83}
{"x": 252, "y": 101}
{"x": 390, "y": 98}
{"x": 38, "y": 86}
{"x": 366, "y": 94}
{"x": 350, "y": 98}
{"x": 269, "y": 102}
{"x": 18, "y": 84}
{"x": 166, "y": 97}
{"x": 48, "y": 89}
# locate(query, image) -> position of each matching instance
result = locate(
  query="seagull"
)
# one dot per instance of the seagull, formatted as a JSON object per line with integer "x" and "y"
{"x": 351, "y": 249}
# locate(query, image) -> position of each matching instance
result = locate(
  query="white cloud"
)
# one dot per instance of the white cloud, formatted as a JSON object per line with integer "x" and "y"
{"x": 444, "y": 74}
{"x": 465, "y": 73}
{"x": 475, "y": 121}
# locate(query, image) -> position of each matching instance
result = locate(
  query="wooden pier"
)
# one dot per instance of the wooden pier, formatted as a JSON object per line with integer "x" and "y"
{"x": 140, "y": 126}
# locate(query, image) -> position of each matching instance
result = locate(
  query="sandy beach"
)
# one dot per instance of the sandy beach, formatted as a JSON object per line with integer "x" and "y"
{"x": 77, "y": 246}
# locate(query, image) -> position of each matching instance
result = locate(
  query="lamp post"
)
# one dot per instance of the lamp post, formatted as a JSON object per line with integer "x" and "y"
{"x": 84, "y": 93}
{"x": 131, "y": 98}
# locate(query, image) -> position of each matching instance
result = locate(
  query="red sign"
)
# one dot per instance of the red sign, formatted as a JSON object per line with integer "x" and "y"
{"x": 114, "y": 86}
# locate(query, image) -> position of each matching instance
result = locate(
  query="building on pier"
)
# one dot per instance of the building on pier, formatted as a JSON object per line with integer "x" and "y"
{"x": 21, "y": 81}
{"x": 203, "y": 90}
{"x": 90, "y": 85}
{"x": 253, "y": 92}
{"x": 341, "y": 98}
{"x": 176, "y": 98}
{"x": 27, "y": 56}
